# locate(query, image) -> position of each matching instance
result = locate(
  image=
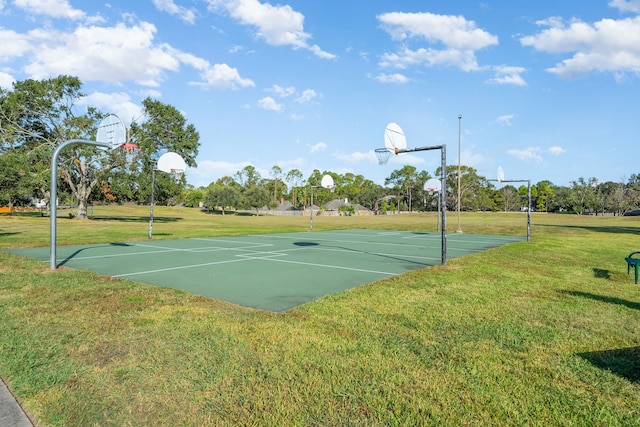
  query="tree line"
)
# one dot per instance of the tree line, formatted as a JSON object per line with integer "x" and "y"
{"x": 37, "y": 115}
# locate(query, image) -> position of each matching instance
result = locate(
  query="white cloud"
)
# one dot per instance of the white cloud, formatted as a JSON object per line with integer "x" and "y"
{"x": 209, "y": 171}
{"x": 458, "y": 37}
{"x": 606, "y": 46}
{"x": 268, "y": 103}
{"x": 307, "y": 96}
{"x": 529, "y": 153}
{"x": 222, "y": 76}
{"x": 52, "y": 8}
{"x": 556, "y": 150}
{"x": 282, "y": 92}
{"x": 111, "y": 54}
{"x": 508, "y": 75}
{"x": 13, "y": 44}
{"x": 626, "y": 5}
{"x": 320, "y": 146}
{"x": 119, "y": 104}
{"x": 392, "y": 78}
{"x": 297, "y": 117}
{"x": 505, "y": 120}
{"x": 452, "y": 31}
{"x": 101, "y": 53}
{"x": 6, "y": 80}
{"x": 276, "y": 25}
{"x": 465, "y": 60}
{"x": 187, "y": 15}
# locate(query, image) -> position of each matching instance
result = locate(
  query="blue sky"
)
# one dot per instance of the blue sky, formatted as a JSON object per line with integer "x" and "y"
{"x": 547, "y": 89}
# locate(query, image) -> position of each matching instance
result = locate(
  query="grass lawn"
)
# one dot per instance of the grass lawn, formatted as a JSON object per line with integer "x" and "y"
{"x": 538, "y": 333}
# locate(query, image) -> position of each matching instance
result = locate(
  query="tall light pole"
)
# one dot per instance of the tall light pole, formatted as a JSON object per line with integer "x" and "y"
{"x": 459, "y": 230}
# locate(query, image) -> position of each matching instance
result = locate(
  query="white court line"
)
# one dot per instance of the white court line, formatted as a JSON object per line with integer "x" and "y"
{"x": 357, "y": 242}
{"x": 243, "y": 259}
{"x": 182, "y": 267}
{"x": 163, "y": 249}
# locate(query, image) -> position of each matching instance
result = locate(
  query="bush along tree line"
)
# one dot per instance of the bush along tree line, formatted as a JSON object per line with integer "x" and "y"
{"x": 36, "y": 116}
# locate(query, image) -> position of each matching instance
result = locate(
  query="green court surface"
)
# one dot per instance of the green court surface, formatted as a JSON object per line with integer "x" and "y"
{"x": 272, "y": 272}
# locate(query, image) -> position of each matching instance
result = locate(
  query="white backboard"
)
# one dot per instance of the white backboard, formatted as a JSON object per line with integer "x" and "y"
{"x": 394, "y": 138}
{"x": 171, "y": 163}
{"x": 112, "y": 131}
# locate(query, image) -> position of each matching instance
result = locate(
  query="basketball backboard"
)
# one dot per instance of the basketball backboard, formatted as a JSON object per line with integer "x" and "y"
{"x": 327, "y": 182}
{"x": 111, "y": 130}
{"x": 171, "y": 163}
{"x": 394, "y": 138}
{"x": 433, "y": 185}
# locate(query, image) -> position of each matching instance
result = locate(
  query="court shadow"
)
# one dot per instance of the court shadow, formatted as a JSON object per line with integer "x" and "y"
{"x": 624, "y": 362}
{"x": 306, "y": 243}
{"x": 610, "y": 300}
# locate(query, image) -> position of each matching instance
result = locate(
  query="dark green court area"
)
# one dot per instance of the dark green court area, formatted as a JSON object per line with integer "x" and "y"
{"x": 272, "y": 272}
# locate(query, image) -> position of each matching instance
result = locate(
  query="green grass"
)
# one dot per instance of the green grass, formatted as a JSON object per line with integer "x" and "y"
{"x": 539, "y": 333}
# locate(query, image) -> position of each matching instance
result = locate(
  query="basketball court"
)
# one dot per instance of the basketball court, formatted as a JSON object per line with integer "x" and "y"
{"x": 272, "y": 272}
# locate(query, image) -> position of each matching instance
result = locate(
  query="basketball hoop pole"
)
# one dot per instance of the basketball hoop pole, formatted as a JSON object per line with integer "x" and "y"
{"x": 443, "y": 191}
{"x": 53, "y": 214}
{"x": 153, "y": 190}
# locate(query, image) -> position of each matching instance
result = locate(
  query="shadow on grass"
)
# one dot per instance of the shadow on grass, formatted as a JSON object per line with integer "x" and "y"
{"x": 599, "y": 273}
{"x": 612, "y": 229}
{"x": 9, "y": 233}
{"x": 610, "y": 300}
{"x": 136, "y": 218}
{"x": 624, "y": 362}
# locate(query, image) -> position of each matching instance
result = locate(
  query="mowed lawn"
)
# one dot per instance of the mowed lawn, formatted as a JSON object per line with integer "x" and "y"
{"x": 538, "y": 333}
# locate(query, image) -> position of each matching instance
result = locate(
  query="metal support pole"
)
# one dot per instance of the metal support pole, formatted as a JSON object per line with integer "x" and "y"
{"x": 529, "y": 211}
{"x": 311, "y": 211}
{"x": 528, "y": 181}
{"x": 459, "y": 229}
{"x": 153, "y": 190}
{"x": 53, "y": 194}
{"x": 443, "y": 193}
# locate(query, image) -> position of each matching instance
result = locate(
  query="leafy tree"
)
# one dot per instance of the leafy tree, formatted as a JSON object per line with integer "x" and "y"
{"x": 163, "y": 129}
{"x": 192, "y": 197}
{"x": 222, "y": 196}
{"x": 256, "y": 196}
{"x": 545, "y": 194}
{"x": 295, "y": 178}
{"x": 404, "y": 181}
{"x": 247, "y": 177}
{"x": 584, "y": 196}
{"x": 276, "y": 174}
{"x": 35, "y": 117}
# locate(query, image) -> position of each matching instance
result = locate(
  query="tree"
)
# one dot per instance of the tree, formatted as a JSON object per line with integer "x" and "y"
{"x": 584, "y": 198}
{"x": 164, "y": 129}
{"x": 276, "y": 173}
{"x": 35, "y": 117}
{"x": 256, "y": 197}
{"x": 295, "y": 178}
{"x": 247, "y": 177}
{"x": 404, "y": 180}
{"x": 222, "y": 196}
{"x": 545, "y": 195}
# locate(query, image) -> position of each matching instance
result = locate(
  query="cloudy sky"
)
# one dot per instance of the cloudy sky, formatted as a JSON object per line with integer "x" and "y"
{"x": 547, "y": 89}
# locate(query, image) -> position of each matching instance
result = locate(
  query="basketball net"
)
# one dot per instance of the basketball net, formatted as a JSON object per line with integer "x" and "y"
{"x": 177, "y": 174}
{"x": 130, "y": 150}
{"x": 383, "y": 155}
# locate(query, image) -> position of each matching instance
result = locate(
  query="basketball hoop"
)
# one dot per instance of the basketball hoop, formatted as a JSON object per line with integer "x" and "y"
{"x": 176, "y": 174}
{"x": 130, "y": 150}
{"x": 383, "y": 155}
